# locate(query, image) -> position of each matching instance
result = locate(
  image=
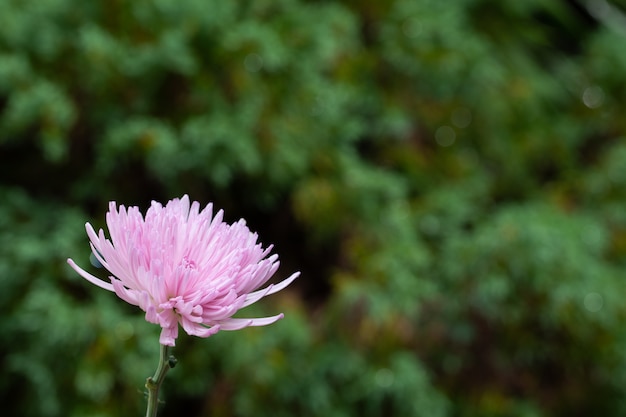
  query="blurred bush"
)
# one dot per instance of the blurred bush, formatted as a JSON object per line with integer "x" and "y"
{"x": 449, "y": 177}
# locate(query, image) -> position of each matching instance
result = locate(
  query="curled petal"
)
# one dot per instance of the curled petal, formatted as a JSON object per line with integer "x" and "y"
{"x": 94, "y": 280}
{"x": 236, "y": 324}
{"x": 151, "y": 315}
{"x": 169, "y": 335}
{"x": 125, "y": 294}
{"x": 253, "y": 297}
{"x": 196, "y": 329}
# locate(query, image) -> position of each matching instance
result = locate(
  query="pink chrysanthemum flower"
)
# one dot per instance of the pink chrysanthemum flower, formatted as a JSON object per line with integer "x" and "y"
{"x": 183, "y": 265}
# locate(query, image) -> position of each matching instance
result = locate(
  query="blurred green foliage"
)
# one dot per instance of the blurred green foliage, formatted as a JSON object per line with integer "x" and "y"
{"x": 450, "y": 178}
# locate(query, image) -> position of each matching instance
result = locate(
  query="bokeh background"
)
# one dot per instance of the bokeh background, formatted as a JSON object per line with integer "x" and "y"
{"x": 449, "y": 176}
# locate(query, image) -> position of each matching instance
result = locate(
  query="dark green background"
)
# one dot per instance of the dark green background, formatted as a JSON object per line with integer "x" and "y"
{"x": 449, "y": 176}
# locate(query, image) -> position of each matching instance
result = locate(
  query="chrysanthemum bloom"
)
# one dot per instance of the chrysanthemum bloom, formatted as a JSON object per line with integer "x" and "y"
{"x": 183, "y": 265}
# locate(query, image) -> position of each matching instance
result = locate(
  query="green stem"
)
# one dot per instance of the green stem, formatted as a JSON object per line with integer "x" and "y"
{"x": 153, "y": 383}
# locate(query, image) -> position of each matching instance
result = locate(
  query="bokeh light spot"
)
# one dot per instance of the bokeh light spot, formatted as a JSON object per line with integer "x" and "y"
{"x": 593, "y": 97}
{"x": 253, "y": 62}
{"x": 384, "y": 378}
{"x": 594, "y": 302}
{"x": 124, "y": 330}
{"x": 445, "y": 136}
{"x": 412, "y": 27}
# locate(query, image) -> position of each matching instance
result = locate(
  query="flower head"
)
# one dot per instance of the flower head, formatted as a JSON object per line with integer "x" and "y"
{"x": 184, "y": 266}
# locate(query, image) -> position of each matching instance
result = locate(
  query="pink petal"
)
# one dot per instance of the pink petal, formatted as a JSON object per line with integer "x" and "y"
{"x": 253, "y": 297}
{"x": 94, "y": 280}
{"x": 169, "y": 335}
{"x": 236, "y": 324}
